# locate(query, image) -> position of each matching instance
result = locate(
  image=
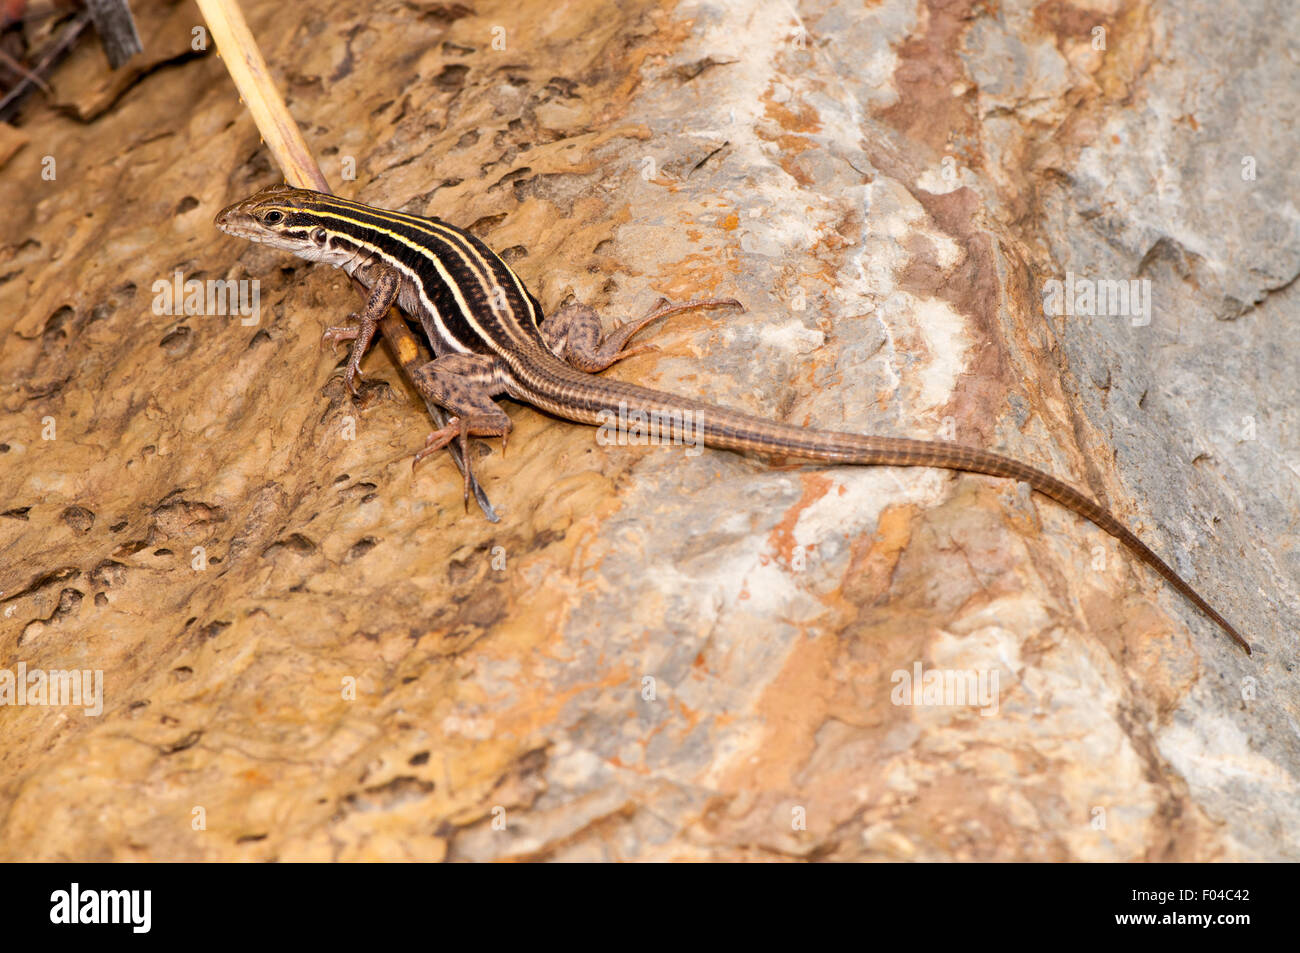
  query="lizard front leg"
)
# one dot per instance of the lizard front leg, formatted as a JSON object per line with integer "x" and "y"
{"x": 382, "y": 294}
{"x": 464, "y": 384}
{"x": 573, "y": 333}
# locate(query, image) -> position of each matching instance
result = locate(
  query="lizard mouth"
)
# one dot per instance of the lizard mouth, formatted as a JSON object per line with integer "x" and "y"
{"x": 231, "y": 225}
{"x": 244, "y": 231}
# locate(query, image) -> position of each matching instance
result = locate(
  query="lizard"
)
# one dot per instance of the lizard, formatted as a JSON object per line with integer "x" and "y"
{"x": 490, "y": 337}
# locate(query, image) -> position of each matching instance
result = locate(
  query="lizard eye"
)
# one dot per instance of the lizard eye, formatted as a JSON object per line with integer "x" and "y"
{"x": 273, "y": 217}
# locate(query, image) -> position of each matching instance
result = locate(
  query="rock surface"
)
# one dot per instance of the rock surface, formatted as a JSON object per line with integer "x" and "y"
{"x": 308, "y": 653}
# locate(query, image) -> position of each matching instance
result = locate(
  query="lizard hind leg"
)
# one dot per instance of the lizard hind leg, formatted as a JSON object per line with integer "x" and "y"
{"x": 464, "y": 384}
{"x": 574, "y": 334}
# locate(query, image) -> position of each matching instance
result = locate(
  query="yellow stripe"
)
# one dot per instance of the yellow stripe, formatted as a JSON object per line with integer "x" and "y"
{"x": 422, "y": 224}
{"x": 451, "y": 282}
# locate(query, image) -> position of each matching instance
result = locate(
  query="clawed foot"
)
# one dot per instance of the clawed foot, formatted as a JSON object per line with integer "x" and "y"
{"x": 573, "y": 332}
{"x": 439, "y": 439}
{"x": 664, "y": 307}
{"x": 343, "y": 332}
{"x": 360, "y": 335}
{"x": 614, "y": 347}
{"x": 460, "y": 430}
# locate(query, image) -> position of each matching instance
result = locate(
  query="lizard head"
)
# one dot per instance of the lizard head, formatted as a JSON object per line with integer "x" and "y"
{"x": 284, "y": 217}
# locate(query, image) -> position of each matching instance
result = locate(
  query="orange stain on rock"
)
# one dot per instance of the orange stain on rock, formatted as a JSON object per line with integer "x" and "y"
{"x": 781, "y": 538}
{"x": 794, "y": 705}
{"x": 871, "y": 570}
{"x": 791, "y": 116}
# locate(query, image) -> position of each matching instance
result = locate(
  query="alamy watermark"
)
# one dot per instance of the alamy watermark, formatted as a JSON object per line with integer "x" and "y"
{"x": 212, "y": 297}
{"x": 1099, "y": 297}
{"x": 946, "y": 688}
{"x": 660, "y": 428}
{"x": 79, "y": 688}
{"x": 130, "y": 907}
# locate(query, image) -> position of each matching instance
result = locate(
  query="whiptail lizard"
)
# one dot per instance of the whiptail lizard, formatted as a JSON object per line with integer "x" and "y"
{"x": 490, "y": 338}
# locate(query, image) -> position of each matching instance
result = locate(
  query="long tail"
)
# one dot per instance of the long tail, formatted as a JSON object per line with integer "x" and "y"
{"x": 602, "y": 401}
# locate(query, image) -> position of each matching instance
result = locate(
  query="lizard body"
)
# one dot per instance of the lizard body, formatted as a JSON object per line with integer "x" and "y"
{"x": 491, "y": 338}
